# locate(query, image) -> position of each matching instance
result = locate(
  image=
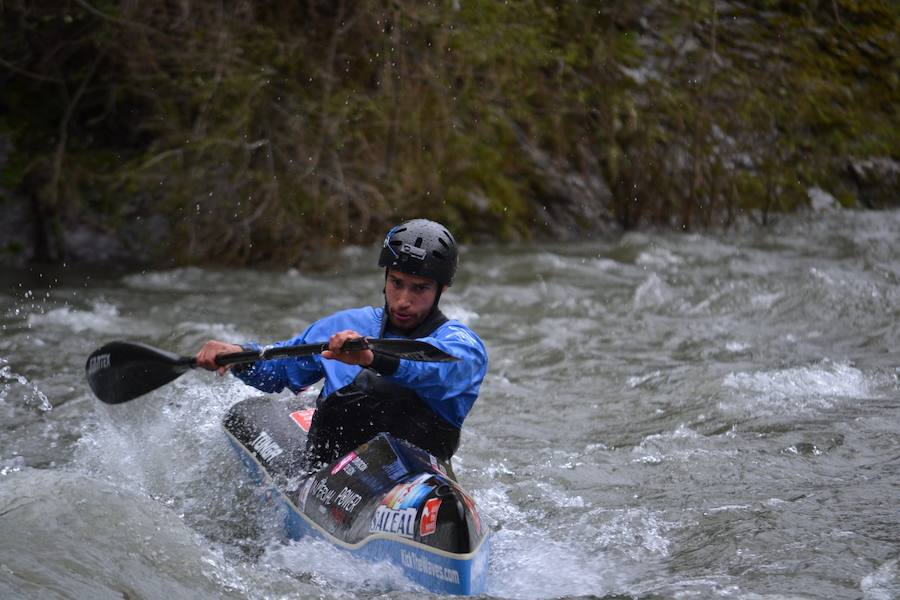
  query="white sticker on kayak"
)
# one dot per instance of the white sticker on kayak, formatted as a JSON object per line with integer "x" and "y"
{"x": 399, "y": 522}
{"x": 265, "y": 446}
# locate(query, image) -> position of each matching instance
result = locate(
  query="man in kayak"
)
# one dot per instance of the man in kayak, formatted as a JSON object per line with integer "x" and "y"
{"x": 365, "y": 393}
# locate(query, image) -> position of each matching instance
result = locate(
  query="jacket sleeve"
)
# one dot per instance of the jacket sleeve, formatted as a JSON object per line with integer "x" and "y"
{"x": 277, "y": 374}
{"x": 442, "y": 381}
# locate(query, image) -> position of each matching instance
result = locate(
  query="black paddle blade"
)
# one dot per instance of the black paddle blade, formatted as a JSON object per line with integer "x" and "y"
{"x": 408, "y": 349}
{"x": 121, "y": 371}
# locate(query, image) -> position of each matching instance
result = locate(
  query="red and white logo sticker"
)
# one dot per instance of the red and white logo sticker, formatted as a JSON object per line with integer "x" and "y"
{"x": 428, "y": 524}
{"x": 303, "y": 418}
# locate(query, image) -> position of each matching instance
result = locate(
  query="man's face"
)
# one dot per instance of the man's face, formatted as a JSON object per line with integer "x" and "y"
{"x": 409, "y": 299}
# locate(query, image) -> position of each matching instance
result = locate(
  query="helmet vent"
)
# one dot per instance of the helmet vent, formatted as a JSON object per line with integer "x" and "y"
{"x": 418, "y": 243}
{"x": 438, "y": 255}
{"x": 443, "y": 243}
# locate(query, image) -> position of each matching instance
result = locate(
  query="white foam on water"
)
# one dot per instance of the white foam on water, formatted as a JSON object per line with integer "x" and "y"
{"x": 203, "y": 330}
{"x": 496, "y": 509}
{"x": 638, "y": 532}
{"x": 682, "y": 444}
{"x": 849, "y": 286}
{"x": 165, "y": 440}
{"x": 330, "y": 567}
{"x": 739, "y": 508}
{"x": 493, "y": 470}
{"x": 538, "y": 555}
{"x": 523, "y": 567}
{"x": 639, "y": 380}
{"x": 596, "y": 447}
{"x": 103, "y": 318}
{"x": 52, "y": 542}
{"x": 559, "y": 497}
{"x": 605, "y": 265}
{"x": 12, "y": 465}
{"x": 297, "y": 278}
{"x": 797, "y": 389}
{"x": 652, "y": 293}
{"x": 658, "y": 257}
{"x": 737, "y": 347}
{"x": 823, "y": 276}
{"x": 711, "y": 587}
{"x": 552, "y": 261}
{"x": 765, "y": 301}
{"x": 355, "y": 251}
{"x": 883, "y": 583}
{"x": 583, "y": 559}
{"x": 460, "y": 313}
{"x": 179, "y": 280}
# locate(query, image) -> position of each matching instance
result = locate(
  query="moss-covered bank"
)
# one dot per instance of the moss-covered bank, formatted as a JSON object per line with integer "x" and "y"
{"x": 253, "y": 132}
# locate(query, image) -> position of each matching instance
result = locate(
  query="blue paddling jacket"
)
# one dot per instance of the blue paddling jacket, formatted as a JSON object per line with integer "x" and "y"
{"x": 448, "y": 388}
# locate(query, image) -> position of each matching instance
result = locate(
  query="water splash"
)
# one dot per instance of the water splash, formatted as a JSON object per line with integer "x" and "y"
{"x": 33, "y": 395}
{"x": 330, "y": 567}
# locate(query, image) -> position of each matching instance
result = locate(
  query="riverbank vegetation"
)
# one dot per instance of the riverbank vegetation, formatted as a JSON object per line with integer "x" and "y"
{"x": 239, "y": 132}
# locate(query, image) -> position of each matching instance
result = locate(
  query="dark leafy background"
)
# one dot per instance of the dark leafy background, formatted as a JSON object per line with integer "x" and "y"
{"x": 244, "y": 132}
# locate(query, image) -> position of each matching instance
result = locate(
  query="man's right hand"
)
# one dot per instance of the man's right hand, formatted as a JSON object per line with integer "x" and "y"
{"x": 206, "y": 358}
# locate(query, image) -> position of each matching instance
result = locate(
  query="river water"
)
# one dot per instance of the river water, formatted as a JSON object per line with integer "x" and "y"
{"x": 665, "y": 416}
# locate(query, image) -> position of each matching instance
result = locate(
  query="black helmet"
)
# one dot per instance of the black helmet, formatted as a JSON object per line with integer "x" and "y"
{"x": 420, "y": 247}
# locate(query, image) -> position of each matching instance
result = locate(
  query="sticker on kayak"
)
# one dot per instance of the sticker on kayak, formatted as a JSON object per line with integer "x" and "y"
{"x": 409, "y": 494}
{"x": 303, "y": 418}
{"x": 398, "y": 510}
{"x": 400, "y": 522}
{"x": 343, "y": 462}
{"x": 428, "y": 523}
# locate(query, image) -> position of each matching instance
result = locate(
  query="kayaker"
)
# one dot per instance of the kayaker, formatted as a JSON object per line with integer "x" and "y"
{"x": 366, "y": 393}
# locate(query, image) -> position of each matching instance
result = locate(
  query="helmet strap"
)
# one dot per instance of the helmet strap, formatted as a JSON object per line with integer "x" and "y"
{"x": 437, "y": 297}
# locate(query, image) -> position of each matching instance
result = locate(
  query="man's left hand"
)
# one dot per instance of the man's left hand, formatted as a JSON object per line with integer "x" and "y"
{"x": 362, "y": 358}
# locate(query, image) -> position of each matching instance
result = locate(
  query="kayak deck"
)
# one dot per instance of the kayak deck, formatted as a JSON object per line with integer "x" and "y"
{"x": 385, "y": 501}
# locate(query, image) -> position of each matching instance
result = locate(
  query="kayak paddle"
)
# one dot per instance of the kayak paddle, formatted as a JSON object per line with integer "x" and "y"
{"x": 121, "y": 371}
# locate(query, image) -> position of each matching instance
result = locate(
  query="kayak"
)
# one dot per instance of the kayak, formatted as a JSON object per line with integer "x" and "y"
{"x": 387, "y": 500}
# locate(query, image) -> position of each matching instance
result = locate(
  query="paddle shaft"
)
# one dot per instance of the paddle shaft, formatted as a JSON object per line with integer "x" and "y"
{"x": 270, "y": 352}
